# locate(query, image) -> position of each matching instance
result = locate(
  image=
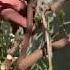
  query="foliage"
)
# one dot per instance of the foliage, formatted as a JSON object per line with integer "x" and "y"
{"x": 5, "y": 38}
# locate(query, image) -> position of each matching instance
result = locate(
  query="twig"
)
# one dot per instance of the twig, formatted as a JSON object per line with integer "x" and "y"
{"x": 49, "y": 47}
{"x": 30, "y": 16}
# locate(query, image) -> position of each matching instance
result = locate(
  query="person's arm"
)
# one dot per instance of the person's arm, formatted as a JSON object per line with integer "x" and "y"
{"x": 13, "y": 15}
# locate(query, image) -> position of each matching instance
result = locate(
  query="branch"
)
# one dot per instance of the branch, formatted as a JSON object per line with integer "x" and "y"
{"x": 29, "y": 60}
{"x": 25, "y": 44}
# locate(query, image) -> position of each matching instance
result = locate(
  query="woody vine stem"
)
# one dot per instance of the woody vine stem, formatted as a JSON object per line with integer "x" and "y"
{"x": 47, "y": 37}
